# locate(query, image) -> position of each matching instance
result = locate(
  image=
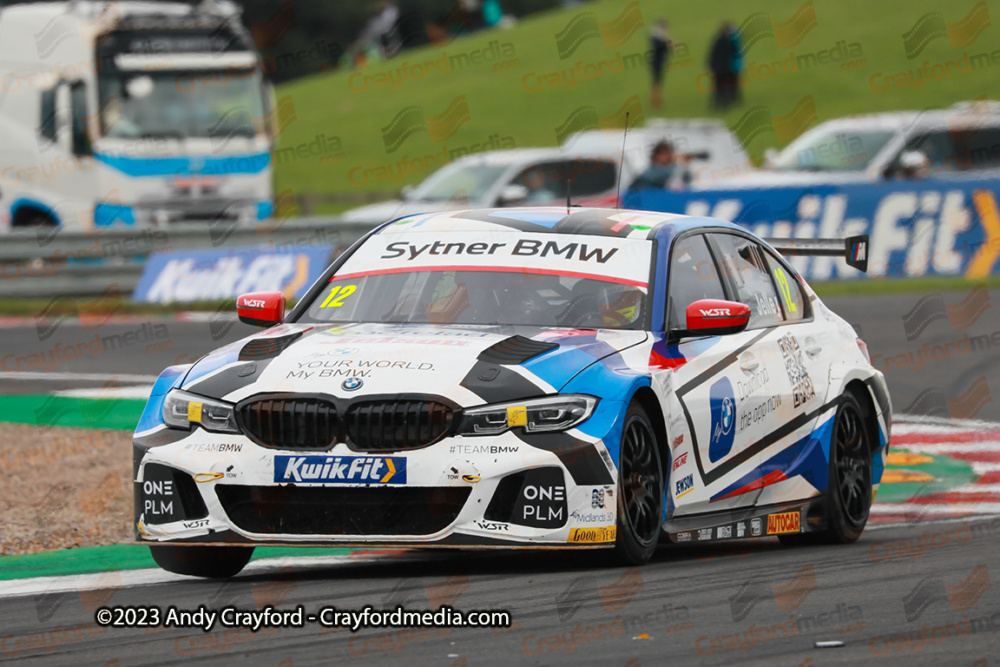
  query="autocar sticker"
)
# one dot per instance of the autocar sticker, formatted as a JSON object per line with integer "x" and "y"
{"x": 784, "y": 522}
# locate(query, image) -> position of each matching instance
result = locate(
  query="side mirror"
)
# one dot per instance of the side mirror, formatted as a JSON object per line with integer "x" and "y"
{"x": 64, "y": 118}
{"x": 715, "y": 317}
{"x": 270, "y": 104}
{"x": 406, "y": 192}
{"x": 512, "y": 194}
{"x": 261, "y": 309}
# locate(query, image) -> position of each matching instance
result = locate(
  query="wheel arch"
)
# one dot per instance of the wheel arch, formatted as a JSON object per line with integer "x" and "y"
{"x": 647, "y": 398}
{"x": 860, "y": 391}
{"x": 868, "y": 386}
{"x": 23, "y": 210}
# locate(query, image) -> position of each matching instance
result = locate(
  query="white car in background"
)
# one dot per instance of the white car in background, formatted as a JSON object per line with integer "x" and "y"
{"x": 717, "y": 155}
{"x": 496, "y": 179}
{"x": 590, "y": 159}
{"x": 963, "y": 140}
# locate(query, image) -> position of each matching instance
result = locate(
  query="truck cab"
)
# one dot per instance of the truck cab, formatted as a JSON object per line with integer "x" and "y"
{"x": 116, "y": 114}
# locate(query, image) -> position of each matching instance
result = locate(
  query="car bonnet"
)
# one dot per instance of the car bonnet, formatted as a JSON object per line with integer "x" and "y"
{"x": 466, "y": 365}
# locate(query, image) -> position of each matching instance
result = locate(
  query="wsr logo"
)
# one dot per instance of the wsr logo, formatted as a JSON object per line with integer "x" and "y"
{"x": 723, "y": 409}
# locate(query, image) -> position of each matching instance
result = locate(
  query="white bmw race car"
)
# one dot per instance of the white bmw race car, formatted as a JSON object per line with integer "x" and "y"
{"x": 522, "y": 378}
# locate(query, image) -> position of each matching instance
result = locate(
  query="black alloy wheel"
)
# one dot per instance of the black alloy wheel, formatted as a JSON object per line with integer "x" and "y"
{"x": 640, "y": 490}
{"x": 849, "y": 487}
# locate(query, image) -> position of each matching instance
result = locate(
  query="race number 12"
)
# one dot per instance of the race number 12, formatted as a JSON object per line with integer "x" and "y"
{"x": 337, "y": 296}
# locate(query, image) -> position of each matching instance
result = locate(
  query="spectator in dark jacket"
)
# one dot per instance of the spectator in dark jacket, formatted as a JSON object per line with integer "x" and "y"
{"x": 725, "y": 61}
{"x": 660, "y": 47}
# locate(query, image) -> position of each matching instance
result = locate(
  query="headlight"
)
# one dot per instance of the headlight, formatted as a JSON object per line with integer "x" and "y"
{"x": 181, "y": 410}
{"x": 553, "y": 413}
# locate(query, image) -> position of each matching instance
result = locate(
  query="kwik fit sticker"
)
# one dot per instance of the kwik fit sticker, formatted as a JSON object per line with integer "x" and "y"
{"x": 340, "y": 469}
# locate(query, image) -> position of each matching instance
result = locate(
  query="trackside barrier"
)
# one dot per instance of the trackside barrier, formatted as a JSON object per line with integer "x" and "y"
{"x": 939, "y": 227}
{"x": 44, "y": 263}
{"x": 943, "y": 227}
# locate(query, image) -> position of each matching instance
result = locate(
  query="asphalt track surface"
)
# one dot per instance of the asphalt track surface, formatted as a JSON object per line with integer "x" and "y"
{"x": 908, "y": 595}
{"x": 916, "y": 593}
{"x": 935, "y": 373}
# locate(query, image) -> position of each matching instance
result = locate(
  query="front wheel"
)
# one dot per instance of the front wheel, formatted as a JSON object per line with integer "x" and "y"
{"x": 208, "y": 562}
{"x": 640, "y": 490}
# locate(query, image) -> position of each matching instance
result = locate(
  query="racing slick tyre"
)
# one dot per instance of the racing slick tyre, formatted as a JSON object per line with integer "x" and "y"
{"x": 640, "y": 490}
{"x": 849, "y": 494}
{"x": 208, "y": 562}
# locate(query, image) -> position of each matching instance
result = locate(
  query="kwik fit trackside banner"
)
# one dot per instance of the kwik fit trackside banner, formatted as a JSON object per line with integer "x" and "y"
{"x": 210, "y": 275}
{"x": 937, "y": 227}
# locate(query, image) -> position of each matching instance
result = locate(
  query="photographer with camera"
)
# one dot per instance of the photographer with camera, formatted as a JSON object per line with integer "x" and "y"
{"x": 662, "y": 172}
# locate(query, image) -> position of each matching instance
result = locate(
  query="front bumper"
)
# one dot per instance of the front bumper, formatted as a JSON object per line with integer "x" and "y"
{"x": 149, "y": 213}
{"x": 510, "y": 490}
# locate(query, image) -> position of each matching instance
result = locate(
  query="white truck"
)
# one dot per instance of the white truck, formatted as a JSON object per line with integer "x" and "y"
{"x": 116, "y": 114}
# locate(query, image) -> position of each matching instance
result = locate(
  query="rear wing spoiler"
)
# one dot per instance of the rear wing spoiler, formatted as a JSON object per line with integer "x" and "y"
{"x": 854, "y": 249}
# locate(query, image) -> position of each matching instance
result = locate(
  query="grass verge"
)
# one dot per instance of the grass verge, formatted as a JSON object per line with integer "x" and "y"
{"x": 390, "y": 124}
{"x": 880, "y": 286}
{"x": 117, "y": 557}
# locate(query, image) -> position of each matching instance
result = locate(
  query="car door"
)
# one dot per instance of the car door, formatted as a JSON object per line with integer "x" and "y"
{"x": 796, "y": 466}
{"x": 709, "y": 450}
{"x": 783, "y": 375}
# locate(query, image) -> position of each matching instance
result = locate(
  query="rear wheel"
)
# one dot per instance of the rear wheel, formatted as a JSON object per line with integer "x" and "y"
{"x": 209, "y": 562}
{"x": 849, "y": 489}
{"x": 640, "y": 490}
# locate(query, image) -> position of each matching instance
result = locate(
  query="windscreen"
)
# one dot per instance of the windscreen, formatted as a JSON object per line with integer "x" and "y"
{"x": 490, "y": 278}
{"x": 181, "y": 104}
{"x": 825, "y": 150}
{"x": 459, "y": 181}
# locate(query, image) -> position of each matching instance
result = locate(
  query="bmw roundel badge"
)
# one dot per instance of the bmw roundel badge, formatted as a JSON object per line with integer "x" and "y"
{"x": 351, "y": 384}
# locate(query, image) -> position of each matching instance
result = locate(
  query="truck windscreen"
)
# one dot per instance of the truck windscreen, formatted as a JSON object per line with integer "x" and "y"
{"x": 177, "y": 104}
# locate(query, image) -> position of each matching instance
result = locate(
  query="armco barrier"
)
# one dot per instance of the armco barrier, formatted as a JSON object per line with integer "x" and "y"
{"x": 43, "y": 263}
{"x": 947, "y": 227}
{"x": 941, "y": 226}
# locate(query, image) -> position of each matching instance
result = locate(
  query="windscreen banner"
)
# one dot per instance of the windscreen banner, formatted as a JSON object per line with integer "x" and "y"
{"x": 212, "y": 275}
{"x": 398, "y": 249}
{"x": 931, "y": 228}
